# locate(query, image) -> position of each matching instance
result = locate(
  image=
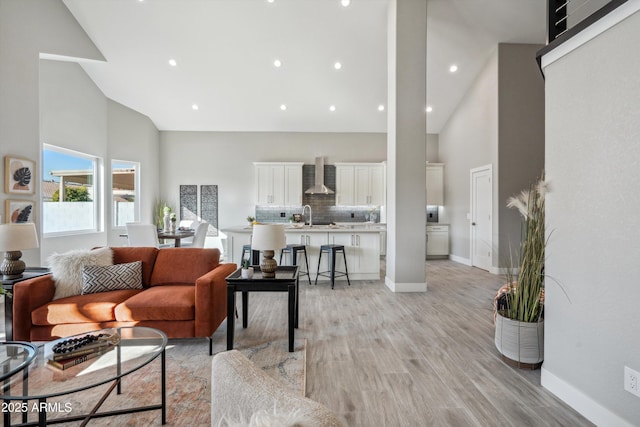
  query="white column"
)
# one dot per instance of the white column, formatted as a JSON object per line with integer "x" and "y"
{"x": 406, "y": 145}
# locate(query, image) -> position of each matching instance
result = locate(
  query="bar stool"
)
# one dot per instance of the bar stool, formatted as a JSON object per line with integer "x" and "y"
{"x": 293, "y": 249}
{"x": 332, "y": 250}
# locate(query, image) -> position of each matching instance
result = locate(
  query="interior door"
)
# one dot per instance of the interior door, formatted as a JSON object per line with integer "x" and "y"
{"x": 481, "y": 220}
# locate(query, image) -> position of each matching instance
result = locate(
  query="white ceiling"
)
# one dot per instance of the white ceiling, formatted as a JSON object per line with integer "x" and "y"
{"x": 225, "y": 51}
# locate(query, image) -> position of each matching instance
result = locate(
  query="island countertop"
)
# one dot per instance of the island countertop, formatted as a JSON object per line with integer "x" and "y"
{"x": 338, "y": 228}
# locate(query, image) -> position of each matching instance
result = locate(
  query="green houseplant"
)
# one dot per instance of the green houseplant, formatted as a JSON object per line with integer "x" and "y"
{"x": 520, "y": 303}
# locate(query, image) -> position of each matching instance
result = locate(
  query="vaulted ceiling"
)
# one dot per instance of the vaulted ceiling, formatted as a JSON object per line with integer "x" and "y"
{"x": 225, "y": 51}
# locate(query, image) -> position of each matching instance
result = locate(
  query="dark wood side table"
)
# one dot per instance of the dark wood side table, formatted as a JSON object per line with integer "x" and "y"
{"x": 286, "y": 280}
{"x": 7, "y": 285}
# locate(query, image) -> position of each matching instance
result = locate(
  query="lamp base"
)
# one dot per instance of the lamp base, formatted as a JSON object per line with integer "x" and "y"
{"x": 12, "y": 266}
{"x": 269, "y": 265}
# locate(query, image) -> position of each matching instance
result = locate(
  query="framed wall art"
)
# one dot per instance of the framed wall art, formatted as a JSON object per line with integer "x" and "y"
{"x": 20, "y": 175}
{"x": 19, "y": 211}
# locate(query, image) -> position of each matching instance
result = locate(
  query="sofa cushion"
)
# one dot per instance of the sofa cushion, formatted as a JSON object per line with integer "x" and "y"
{"x": 81, "y": 308}
{"x": 66, "y": 268}
{"x": 98, "y": 278}
{"x": 182, "y": 266}
{"x": 159, "y": 303}
{"x": 123, "y": 255}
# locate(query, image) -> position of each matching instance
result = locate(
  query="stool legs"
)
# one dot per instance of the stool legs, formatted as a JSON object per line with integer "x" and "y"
{"x": 332, "y": 250}
{"x": 294, "y": 258}
{"x": 346, "y": 271}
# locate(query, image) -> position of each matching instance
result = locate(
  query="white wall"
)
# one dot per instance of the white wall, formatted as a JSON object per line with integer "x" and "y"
{"x": 468, "y": 140}
{"x": 592, "y": 161}
{"x": 133, "y": 137}
{"x": 76, "y": 115}
{"x": 226, "y": 160}
{"x": 432, "y": 147}
{"x": 28, "y": 28}
{"x": 500, "y": 122}
{"x": 73, "y": 115}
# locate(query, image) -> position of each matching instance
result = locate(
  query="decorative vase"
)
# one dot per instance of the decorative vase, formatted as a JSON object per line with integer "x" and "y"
{"x": 173, "y": 227}
{"x": 166, "y": 221}
{"x": 247, "y": 273}
{"x": 521, "y": 344}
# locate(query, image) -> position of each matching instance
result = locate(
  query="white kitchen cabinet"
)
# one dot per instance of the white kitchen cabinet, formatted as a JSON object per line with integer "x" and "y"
{"x": 437, "y": 240}
{"x": 278, "y": 183}
{"x": 359, "y": 184}
{"x": 362, "y": 252}
{"x": 345, "y": 179}
{"x": 435, "y": 184}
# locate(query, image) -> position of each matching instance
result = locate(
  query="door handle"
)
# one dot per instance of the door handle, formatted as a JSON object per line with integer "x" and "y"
{"x": 473, "y": 223}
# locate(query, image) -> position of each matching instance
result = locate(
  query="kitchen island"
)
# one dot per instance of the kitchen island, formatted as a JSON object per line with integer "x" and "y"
{"x": 361, "y": 243}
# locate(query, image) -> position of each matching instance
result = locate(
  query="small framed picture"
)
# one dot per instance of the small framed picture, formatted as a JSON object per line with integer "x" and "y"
{"x": 20, "y": 175}
{"x": 19, "y": 211}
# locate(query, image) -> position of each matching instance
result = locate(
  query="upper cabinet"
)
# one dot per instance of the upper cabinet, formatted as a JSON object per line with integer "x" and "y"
{"x": 360, "y": 184}
{"x": 435, "y": 184}
{"x": 278, "y": 183}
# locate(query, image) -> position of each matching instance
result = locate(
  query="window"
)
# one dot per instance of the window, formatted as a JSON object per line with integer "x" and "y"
{"x": 69, "y": 191}
{"x": 124, "y": 190}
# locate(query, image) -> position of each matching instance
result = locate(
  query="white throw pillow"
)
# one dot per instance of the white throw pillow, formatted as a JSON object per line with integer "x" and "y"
{"x": 104, "y": 278}
{"x": 66, "y": 268}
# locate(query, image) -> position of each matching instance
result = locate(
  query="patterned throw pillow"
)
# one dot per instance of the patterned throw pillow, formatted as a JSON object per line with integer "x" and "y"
{"x": 96, "y": 278}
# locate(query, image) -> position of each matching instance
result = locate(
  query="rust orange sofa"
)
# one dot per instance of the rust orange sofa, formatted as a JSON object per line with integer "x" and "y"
{"x": 184, "y": 295}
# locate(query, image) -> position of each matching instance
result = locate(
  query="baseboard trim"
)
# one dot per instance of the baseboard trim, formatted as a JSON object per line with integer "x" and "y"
{"x": 465, "y": 261}
{"x": 405, "y": 287}
{"x": 586, "y": 406}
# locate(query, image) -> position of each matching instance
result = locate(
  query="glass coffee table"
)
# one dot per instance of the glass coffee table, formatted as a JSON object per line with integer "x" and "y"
{"x": 27, "y": 394}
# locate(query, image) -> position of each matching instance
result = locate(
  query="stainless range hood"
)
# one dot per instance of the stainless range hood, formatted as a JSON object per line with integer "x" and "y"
{"x": 319, "y": 187}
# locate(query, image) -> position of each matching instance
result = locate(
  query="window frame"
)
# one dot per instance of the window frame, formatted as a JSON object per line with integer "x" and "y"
{"x": 98, "y": 180}
{"x": 136, "y": 192}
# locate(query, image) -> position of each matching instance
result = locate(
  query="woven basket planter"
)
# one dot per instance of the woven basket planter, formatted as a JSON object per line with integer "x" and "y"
{"x": 521, "y": 344}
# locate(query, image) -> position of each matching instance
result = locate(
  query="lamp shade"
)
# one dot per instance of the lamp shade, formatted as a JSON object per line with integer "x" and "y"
{"x": 268, "y": 237}
{"x": 16, "y": 237}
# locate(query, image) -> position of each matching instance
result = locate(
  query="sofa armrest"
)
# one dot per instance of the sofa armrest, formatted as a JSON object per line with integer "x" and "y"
{"x": 27, "y": 296}
{"x": 239, "y": 389}
{"x": 211, "y": 299}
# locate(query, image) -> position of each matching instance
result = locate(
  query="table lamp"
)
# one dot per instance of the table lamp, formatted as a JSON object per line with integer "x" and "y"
{"x": 267, "y": 238}
{"x": 13, "y": 239}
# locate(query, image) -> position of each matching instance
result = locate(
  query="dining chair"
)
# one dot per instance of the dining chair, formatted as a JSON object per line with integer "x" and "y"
{"x": 199, "y": 236}
{"x": 139, "y": 234}
{"x": 191, "y": 224}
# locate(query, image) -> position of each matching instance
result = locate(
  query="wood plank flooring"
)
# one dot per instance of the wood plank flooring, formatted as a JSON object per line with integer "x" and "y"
{"x": 421, "y": 359}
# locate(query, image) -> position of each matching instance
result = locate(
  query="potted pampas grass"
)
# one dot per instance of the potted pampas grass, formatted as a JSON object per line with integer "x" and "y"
{"x": 519, "y": 305}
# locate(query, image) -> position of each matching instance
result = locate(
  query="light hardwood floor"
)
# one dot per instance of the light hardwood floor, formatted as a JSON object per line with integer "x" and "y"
{"x": 421, "y": 359}
{"x": 412, "y": 359}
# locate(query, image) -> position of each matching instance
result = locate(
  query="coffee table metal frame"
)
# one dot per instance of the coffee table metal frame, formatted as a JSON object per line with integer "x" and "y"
{"x": 116, "y": 381}
{"x": 286, "y": 280}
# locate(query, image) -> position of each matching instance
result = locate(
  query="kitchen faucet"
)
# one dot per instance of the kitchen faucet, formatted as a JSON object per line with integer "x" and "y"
{"x": 310, "y": 214}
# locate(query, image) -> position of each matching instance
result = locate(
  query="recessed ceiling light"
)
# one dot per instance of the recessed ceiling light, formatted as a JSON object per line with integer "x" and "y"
{"x": 453, "y": 68}
{"x": 277, "y": 63}
{"x": 429, "y": 108}
{"x": 283, "y": 107}
{"x": 332, "y": 108}
{"x": 345, "y": 3}
{"x": 337, "y": 65}
{"x": 195, "y": 107}
{"x": 380, "y": 107}
{"x": 270, "y": 1}
{"x": 173, "y": 62}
